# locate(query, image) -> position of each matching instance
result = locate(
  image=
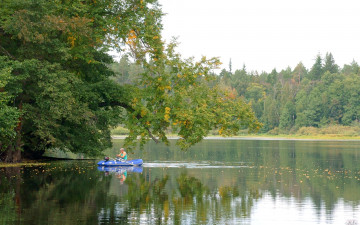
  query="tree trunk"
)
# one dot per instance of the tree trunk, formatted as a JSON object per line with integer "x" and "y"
{"x": 13, "y": 153}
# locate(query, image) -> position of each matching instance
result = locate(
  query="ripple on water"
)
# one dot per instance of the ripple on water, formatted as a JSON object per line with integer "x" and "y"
{"x": 176, "y": 164}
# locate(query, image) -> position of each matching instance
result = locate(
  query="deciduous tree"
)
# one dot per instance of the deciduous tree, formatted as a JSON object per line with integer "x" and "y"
{"x": 62, "y": 87}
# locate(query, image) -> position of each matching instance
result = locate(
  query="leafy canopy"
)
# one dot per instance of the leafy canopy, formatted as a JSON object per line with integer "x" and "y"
{"x": 57, "y": 56}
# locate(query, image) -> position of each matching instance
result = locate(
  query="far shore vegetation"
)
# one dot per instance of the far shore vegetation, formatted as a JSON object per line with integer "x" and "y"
{"x": 329, "y": 132}
{"x": 27, "y": 163}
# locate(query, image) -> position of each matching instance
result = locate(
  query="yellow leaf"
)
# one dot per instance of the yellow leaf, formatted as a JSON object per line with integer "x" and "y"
{"x": 143, "y": 112}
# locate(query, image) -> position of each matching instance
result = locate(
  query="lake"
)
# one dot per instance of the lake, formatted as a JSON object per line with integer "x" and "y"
{"x": 233, "y": 181}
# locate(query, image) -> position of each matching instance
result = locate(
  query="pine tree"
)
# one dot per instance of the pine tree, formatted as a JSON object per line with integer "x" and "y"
{"x": 317, "y": 69}
{"x": 330, "y": 64}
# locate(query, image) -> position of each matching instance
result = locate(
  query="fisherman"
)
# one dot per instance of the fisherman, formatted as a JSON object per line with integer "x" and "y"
{"x": 122, "y": 156}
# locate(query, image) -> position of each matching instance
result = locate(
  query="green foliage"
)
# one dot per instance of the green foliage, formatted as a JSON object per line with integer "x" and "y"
{"x": 183, "y": 94}
{"x": 352, "y": 99}
{"x": 299, "y": 73}
{"x": 317, "y": 69}
{"x": 66, "y": 93}
{"x": 330, "y": 65}
{"x": 287, "y": 117}
{"x": 353, "y": 68}
{"x": 9, "y": 115}
{"x": 270, "y": 117}
{"x": 57, "y": 52}
{"x": 292, "y": 99}
{"x": 272, "y": 77}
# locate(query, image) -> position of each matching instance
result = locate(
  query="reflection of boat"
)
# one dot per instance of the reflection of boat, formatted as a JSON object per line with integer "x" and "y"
{"x": 121, "y": 169}
{"x": 135, "y": 162}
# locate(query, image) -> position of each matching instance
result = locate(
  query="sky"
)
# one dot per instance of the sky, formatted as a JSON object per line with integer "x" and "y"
{"x": 264, "y": 34}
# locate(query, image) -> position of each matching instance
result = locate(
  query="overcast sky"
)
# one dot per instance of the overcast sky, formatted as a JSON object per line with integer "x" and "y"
{"x": 265, "y": 34}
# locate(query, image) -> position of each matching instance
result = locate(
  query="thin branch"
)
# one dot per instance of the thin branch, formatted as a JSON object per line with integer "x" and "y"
{"x": 3, "y": 50}
{"x": 152, "y": 136}
{"x": 116, "y": 103}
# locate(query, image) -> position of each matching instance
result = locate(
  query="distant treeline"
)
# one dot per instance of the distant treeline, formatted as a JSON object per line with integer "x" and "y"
{"x": 326, "y": 94}
{"x": 293, "y": 98}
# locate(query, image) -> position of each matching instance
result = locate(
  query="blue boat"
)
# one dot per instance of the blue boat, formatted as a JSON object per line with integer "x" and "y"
{"x": 135, "y": 162}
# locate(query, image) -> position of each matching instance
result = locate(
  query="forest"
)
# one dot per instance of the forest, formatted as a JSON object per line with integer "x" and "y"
{"x": 286, "y": 101}
{"x": 292, "y": 99}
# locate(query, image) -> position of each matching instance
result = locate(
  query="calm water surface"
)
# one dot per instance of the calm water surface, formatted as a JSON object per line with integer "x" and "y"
{"x": 216, "y": 182}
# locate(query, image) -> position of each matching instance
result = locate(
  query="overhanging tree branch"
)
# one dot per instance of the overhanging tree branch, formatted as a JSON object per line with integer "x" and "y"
{"x": 152, "y": 136}
{"x": 130, "y": 109}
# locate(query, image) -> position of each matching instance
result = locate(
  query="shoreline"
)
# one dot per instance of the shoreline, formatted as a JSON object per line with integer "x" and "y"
{"x": 42, "y": 162}
{"x": 267, "y": 138}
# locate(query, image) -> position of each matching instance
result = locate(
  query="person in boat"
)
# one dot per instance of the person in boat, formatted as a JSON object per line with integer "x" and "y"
{"x": 122, "y": 156}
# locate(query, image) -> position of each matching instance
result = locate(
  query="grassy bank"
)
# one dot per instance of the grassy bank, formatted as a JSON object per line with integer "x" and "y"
{"x": 119, "y": 131}
{"x": 28, "y": 163}
{"x": 303, "y": 137}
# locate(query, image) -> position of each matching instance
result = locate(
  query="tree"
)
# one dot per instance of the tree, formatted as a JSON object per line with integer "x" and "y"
{"x": 309, "y": 108}
{"x": 8, "y": 114}
{"x": 288, "y": 116}
{"x": 299, "y": 72}
{"x": 62, "y": 87}
{"x": 225, "y": 76}
{"x": 240, "y": 81}
{"x": 255, "y": 94}
{"x": 272, "y": 77}
{"x": 330, "y": 64}
{"x": 184, "y": 95}
{"x": 352, "y": 96}
{"x": 317, "y": 69}
{"x": 333, "y": 96}
{"x": 353, "y": 68}
{"x": 271, "y": 114}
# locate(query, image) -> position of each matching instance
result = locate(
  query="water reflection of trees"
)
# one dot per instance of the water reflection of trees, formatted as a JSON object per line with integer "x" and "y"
{"x": 185, "y": 199}
{"x": 50, "y": 195}
{"x": 69, "y": 193}
{"x": 326, "y": 177}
